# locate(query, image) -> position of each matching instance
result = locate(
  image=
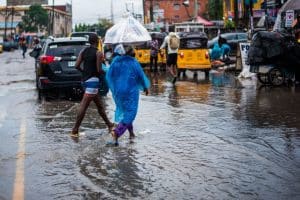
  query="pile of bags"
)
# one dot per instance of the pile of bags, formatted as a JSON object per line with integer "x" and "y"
{"x": 269, "y": 47}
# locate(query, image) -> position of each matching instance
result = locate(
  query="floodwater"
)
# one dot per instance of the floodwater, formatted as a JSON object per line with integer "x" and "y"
{"x": 194, "y": 140}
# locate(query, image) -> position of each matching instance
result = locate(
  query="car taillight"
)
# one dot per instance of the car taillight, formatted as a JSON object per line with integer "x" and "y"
{"x": 206, "y": 55}
{"x": 49, "y": 59}
{"x": 181, "y": 54}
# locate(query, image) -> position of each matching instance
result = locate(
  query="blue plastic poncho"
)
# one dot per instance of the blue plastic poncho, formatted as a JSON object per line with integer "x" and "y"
{"x": 225, "y": 50}
{"x": 216, "y": 52}
{"x": 125, "y": 79}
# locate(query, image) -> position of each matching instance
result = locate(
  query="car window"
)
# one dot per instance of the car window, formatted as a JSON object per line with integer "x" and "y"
{"x": 193, "y": 43}
{"x": 66, "y": 48}
{"x": 229, "y": 37}
{"x": 82, "y": 34}
{"x": 242, "y": 36}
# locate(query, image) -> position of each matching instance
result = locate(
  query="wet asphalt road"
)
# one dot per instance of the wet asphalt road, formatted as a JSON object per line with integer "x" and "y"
{"x": 194, "y": 141}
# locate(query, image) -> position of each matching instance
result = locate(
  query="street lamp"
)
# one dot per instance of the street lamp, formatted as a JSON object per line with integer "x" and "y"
{"x": 186, "y": 4}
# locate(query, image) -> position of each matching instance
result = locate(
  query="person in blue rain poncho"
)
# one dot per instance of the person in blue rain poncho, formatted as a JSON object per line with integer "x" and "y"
{"x": 125, "y": 79}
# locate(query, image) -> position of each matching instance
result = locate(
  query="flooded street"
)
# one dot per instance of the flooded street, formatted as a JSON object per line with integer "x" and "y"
{"x": 194, "y": 141}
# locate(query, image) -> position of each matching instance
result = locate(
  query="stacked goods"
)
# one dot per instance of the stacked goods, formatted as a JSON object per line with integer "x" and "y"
{"x": 270, "y": 47}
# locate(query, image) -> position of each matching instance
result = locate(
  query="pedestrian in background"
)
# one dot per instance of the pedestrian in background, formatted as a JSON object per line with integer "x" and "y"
{"x": 153, "y": 53}
{"x": 225, "y": 49}
{"x": 23, "y": 45}
{"x": 172, "y": 42}
{"x": 296, "y": 27}
{"x": 92, "y": 59}
{"x": 125, "y": 79}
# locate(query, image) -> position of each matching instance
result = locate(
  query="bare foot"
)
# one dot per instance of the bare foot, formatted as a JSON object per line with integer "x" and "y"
{"x": 74, "y": 134}
{"x": 115, "y": 137}
{"x": 111, "y": 127}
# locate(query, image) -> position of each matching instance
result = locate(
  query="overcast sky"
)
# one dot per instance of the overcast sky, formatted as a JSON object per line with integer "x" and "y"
{"x": 88, "y": 11}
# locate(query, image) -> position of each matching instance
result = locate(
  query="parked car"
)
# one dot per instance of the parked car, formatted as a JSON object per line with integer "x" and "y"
{"x": 233, "y": 40}
{"x": 55, "y": 68}
{"x": 87, "y": 34}
{"x": 10, "y": 45}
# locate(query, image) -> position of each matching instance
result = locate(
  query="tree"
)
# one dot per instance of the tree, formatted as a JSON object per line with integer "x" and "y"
{"x": 100, "y": 27}
{"x": 215, "y": 9}
{"x": 103, "y": 25}
{"x": 35, "y": 19}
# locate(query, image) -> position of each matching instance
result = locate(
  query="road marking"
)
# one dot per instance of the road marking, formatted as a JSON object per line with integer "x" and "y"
{"x": 18, "y": 192}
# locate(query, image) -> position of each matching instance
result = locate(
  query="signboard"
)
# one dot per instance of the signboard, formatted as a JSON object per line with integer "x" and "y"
{"x": 289, "y": 18}
{"x": 244, "y": 48}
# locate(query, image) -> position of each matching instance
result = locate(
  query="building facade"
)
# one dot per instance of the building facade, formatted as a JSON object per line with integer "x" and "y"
{"x": 25, "y": 2}
{"x": 60, "y": 20}
{"x": 172, "y": 11}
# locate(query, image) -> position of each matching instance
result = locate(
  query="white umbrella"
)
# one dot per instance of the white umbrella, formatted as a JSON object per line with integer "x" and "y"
{"x": 127, "y": 31}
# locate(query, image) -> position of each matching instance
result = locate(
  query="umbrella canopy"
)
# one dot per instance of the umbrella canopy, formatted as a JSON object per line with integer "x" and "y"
{"x": 127, "y": 31}
{"x": 204, "y": 21}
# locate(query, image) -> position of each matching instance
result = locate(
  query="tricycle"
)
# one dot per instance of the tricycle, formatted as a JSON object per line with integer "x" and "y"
{"x": 274, "y": 57}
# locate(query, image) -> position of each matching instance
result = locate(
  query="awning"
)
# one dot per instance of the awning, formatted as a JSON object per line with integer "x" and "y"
{"x": 204, "y": 21}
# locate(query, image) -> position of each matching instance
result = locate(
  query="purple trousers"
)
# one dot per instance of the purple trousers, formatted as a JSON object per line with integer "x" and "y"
{"x": 121, "y": 129}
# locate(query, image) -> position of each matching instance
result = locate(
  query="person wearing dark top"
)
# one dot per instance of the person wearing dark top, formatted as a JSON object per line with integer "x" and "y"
{"x": 91, "y": 59}
{"x": 153, "y": 53}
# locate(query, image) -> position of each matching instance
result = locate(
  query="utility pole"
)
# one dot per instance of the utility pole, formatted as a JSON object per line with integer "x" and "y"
{"x": 236, "y": 13}
{"x": 151, "y": 11}
{"x": 5, "y": 23}
{"x": 251, "y": 17}
{"x": 266, "y": 14}
{"x": 144, "y": 16}
{"x": 12, "y": 21}
{"x": 52, "y": 18}
{"x": 196, "y": 10}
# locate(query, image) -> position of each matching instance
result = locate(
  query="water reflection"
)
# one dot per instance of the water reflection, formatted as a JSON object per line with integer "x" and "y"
{"x": 194, "y": 140}
{"x": 114, "y": 170}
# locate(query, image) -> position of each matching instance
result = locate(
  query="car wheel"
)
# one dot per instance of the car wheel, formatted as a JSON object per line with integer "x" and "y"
{"x": 276, "y": 76}
{"x": 263, "y": 78}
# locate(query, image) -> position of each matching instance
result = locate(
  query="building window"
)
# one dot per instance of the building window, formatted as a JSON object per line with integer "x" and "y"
{"x": 156, "y": 6}
{"x": 176, "y": 6}
{"x": 176, "y": 17}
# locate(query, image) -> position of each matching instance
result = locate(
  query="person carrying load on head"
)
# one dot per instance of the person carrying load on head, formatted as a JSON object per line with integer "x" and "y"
{"x": 125, "y": 79}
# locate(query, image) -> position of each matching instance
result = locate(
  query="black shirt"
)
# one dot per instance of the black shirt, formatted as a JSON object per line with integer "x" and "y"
{"x": 89, "y": 57}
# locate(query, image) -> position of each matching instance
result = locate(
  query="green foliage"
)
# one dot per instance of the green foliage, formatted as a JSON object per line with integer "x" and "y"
{"x": 229, "y": 24}
{"x": 36, "y": 18}
{"x": 100, "y": 27}
{"x": 215, "y": 9}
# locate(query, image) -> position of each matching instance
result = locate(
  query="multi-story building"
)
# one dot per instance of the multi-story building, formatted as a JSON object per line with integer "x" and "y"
{"x": 25, "y": 2}
{"x": 173, "y": 11}
{"x": 60, "y": 19}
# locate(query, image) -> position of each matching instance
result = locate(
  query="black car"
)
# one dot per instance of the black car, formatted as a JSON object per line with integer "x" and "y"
{"x": 233, "y": 40}
{"x": 55, "y": 67}
{"x": 82, "y": 34}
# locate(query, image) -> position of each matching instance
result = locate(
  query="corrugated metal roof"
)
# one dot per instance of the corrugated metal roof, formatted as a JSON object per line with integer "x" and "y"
{"x": 8, "y": 24}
